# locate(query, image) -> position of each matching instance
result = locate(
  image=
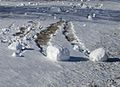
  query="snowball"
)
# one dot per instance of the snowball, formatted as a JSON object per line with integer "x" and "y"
{"x": 64, "y": 54}
{"x": 57, "y": 54}
{"x": 98, "y": 55}
{"x": 52, "y": 53}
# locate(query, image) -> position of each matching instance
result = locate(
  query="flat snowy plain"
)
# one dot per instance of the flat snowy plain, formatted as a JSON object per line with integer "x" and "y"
{"x": 35, "y": 70}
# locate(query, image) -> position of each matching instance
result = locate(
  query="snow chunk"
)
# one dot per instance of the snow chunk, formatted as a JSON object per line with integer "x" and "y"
{"x": 18, "y": 48}
{"x": 16, "y": 54}
{"x": 15, "y": 46}
{"x": 57, "y": 54}
{"x": 52, "y": 52}
{"x": 98, "y": 55}
{"x": 64, "y": 54}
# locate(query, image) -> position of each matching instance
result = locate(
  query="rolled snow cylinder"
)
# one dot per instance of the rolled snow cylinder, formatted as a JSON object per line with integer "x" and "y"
{"x": 64, "y": 54}
{"x": 52, "y": 53}
{"x": 98, "y": 55}
{"x": 56, "y": 54}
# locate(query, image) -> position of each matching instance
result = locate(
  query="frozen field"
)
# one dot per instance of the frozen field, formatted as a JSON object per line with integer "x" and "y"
{"x": 36, "y": 70}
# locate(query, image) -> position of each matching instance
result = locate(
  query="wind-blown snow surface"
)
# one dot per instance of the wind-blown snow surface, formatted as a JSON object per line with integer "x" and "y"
{"x": 35, "y": 70}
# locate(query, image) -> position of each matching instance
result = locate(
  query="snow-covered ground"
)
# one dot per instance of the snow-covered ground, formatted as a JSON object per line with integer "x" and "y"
{"x": 97, "y": 25}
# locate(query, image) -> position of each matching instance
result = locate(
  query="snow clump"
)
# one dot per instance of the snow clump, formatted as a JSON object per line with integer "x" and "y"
{"x": 57, "y": 54}
{"x": 98, "y": 55}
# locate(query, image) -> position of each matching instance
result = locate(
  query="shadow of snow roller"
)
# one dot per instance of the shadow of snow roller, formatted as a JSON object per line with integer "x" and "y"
{"x": 57, "y": 54}
{"x": 98, "y": 55}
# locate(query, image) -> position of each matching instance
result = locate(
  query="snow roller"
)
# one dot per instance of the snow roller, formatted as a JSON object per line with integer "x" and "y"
{"x": 57, "y": 54}
{"x": 98, "y": 55}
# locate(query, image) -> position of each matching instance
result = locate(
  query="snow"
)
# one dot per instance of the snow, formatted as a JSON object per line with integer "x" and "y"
{"x": 98, "y": 55}
{"x": 17, "y": 54}
{"x": 14, "y": 46}
{"x": 56, "y": 54}
{"x": 30, "y": 68}
{"x": 64, "y": 54}
{"x": 53, "y": 53}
